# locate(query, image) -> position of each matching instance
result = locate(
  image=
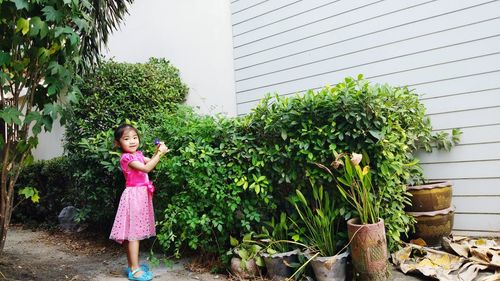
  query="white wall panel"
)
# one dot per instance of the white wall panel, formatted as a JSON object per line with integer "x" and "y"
{"x": 477, "y": 222}
{"x": 393, "y": 72}
{"x": 279, "y": 15}
{"x": 377, "y": 62}
{"x": 459, "y": 102}
{"x": 388, "y": 45}
{"x": 462, "y": 170}
{"x": 470, "y": 118}
{"x": 473, "y": 187}
{"x": 460, "y": 153}
{"x": 447, "y": 50}
{"x": 436, "y": 16}
{"x": 481, "y": 204}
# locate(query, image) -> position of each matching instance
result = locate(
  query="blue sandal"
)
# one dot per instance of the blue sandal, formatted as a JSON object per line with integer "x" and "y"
{"x": 145, "y": 276}
{"x": 144, "y": 267}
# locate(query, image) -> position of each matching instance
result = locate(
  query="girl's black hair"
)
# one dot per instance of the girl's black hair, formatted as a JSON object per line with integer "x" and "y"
{"x": 122, "y": 128}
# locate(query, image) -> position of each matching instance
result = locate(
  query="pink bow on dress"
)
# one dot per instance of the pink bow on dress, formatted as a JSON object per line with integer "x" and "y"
{"x": 151, "y": 187}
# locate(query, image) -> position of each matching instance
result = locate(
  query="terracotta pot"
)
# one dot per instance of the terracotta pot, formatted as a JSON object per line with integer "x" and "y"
{"x": 368, "y": 250}
{"x": 278, "y": 265}
{"x": 430, "y": 197}
{"x": 329, "y": 268}
{"x": 433, "y": 226}
{"x": 251, "y": 269}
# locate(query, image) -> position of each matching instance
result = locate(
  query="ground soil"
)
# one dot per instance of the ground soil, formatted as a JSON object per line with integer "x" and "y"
{"x": 53, "y": 255}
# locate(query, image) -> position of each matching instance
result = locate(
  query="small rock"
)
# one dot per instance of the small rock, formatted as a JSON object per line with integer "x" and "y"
{"x": 67, "y": 219}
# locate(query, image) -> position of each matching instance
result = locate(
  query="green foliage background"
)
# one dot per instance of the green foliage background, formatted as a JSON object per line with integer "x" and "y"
{"x": 114, "y": 93}
{"x": 119, "y": 91}
{"x": 226, "y": 176}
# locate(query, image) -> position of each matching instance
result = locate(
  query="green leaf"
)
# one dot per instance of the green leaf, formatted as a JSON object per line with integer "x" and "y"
{"x": 52, "y": 14}
{"x": 5, "y": 58}
{"x": 30, "y": 193}
{"x": 11, "y": 115}
{"x": 82, "y": 24}
{"x": 22, "y": 25}
{"x": 38, "y": 27}
{"x": 21, "y": 4}
{"x": 284, "y": 135}
{"x": 233, "y": 241}
{"x": 52, "y": 110}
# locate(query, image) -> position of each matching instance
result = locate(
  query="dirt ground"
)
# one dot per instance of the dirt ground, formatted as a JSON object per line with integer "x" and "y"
{"x": 42, "y": 256}
{"x": 54, "y": 256}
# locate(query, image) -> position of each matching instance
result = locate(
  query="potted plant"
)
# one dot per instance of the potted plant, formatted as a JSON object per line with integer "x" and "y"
{"x": 321, "y": 220}
{"x": 366, "y": 232}
{"x": 245, "y": 259}
{"x": 280, "y": 253}
{"x": 431, "y": 207}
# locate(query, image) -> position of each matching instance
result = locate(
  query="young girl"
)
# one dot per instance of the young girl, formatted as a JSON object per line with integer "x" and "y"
{"x": 134, "y": 219}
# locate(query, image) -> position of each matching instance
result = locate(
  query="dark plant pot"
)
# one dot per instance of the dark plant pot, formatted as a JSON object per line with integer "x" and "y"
{"x": 430, "y": 197}
{"x": 329, "y": 268}
{"x": 368, "y": 250}
{"x": 433, "y": 226}
{"x": 251, "y": 269}
{"x": 278, "y": 265}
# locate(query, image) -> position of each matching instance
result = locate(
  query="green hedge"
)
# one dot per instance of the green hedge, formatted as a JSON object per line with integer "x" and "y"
{"x": 114, "y": 93}
{"x": 272, "y": 152}
{"x": 225, "y": 176}
{"x": 120, "y": 91}
{"x": 53, "y": 181}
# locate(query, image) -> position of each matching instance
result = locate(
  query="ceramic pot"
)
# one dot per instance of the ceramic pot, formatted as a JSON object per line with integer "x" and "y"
{"x": 430, "y": 197}
{"x": 368, "y": 250}
{"x": 278, "y": 265}
{"x": 329, "y": 268}
{"x": 250, "y": 270}
{"x": 433, "y": 226}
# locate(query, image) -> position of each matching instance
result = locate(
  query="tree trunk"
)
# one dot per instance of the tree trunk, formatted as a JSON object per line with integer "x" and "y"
{"x": 5, "y": 211}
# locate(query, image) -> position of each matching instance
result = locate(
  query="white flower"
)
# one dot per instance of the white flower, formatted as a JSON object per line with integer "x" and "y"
{"x": 356, "y": 158}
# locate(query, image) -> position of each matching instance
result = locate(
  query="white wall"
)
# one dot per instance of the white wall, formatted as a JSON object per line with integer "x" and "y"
{"x": 447, "y": 50}
{"x": 195, "y": 35}
{"x": 50, "y": 145}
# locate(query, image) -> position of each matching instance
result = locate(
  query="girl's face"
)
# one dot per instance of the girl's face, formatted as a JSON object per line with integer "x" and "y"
{"x": 129, "y": 142}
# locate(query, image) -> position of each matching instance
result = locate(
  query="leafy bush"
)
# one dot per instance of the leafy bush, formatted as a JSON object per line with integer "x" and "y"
{"x": 114, "y": 93}
{"x": 119, "y": 91}
{"x": 53, "y": 181}
{"x": 224, "y": 176}
{"x": 203, "y": 182}
{"x": 386, "y": 123}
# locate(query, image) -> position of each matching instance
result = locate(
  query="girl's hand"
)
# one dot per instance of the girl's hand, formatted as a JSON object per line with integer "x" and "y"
{"x": 162, "y": 148}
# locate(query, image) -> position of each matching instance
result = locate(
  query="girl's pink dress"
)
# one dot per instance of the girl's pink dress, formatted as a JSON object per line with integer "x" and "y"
{"x": 135, "y": 217}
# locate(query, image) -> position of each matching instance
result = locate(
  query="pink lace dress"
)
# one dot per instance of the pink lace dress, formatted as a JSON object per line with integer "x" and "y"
{"x": 135, "y": 217}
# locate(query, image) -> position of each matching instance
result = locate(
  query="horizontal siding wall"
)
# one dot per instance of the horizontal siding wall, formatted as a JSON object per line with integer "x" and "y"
{"x": 447, "y": 50}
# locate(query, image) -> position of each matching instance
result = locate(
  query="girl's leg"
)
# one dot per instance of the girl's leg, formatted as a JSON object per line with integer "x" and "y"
{"x": 132, "y": 249}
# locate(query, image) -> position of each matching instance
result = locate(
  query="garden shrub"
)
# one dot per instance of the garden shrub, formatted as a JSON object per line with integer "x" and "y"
{"x": 225, "y": 176}
{"x": 52, "y": 179}
{"x": 210, "y": 186}
{"x": 387, "y": 123}
{"x": 114, "y": 93}
{"x": 119, "y": 91}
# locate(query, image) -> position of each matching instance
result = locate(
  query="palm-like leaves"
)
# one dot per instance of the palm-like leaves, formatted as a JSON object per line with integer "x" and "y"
{"x": 106, "y": 15}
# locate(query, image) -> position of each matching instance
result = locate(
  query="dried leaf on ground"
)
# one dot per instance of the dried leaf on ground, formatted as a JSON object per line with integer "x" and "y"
{"x": 482, "y": 251}
{"x": 437, "y": 264}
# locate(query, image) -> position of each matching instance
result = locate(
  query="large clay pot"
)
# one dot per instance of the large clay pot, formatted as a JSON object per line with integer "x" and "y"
{"x": 278, "y": 265}
{"x": 250, "y": 270}
{"x": 433, "y": 226}
{"x": 368, "y": 250}
{"x": 329, "y": 268}
{"x": 430, "y": 197}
